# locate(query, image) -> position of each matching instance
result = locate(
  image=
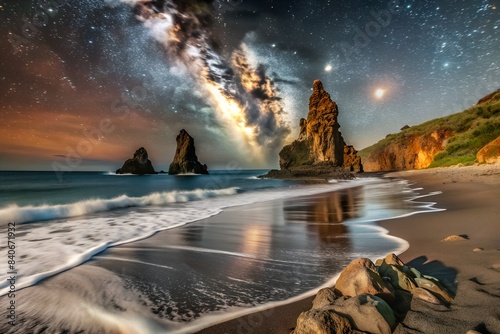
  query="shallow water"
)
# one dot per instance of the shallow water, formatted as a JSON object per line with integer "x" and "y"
{"x": 270, "y": 244}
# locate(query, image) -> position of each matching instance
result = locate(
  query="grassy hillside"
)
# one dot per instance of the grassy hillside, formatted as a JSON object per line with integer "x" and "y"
{"x": 472, "y": 129}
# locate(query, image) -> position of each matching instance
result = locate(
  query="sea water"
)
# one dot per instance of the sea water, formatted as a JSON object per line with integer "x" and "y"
{"x": 291, "y": 240}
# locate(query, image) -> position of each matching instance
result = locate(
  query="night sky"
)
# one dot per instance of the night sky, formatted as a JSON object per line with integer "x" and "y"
{"x": 83, "y": 84}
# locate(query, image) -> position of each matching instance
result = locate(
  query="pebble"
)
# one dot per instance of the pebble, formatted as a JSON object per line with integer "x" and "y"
{"x": 478, "y": 249}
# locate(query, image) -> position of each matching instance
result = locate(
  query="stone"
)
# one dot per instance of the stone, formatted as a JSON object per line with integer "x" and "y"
{"x": 366, "y": 313}
{"x": 455, "y": 238}
{"x": 405, "y": 127}
{"x": 361, "y": 277}
{"x": 185, "y": 159}
{"x": 320, "y": 147}
{"x": 478, "y": 249}
{"x": 472, "y": 331}
{"x": 398, "y": 278}
{"x": 323, "y": 322}
{"x": 435, "y": 287}
{"x": 425, "y": 295}
{"x": 352, "y": 161}
{"x": 324, "y": 297}
{"x": 413, "y": 150}
{"x": 392, "y": 258}
{"x": 139, "y": 164}
{"x": 490, "y": 153}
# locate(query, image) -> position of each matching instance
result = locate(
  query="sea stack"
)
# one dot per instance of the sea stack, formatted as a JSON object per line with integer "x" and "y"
{"x": 185, "y": 159}
{"x": 139, "y": 164}
{"x": 320, "y": 139}
{"x": 320, "y": 150}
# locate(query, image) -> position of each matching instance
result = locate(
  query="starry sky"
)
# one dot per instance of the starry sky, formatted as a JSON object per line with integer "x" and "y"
{"x": 83, "y": 84}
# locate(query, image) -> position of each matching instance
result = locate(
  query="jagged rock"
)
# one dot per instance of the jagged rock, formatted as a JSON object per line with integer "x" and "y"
{"x": 425, "y": 295}
{"x": 393, "y": 259}
{"x": 324, "y": 297}
{"x": 490, "y": 153}
{"x": 185, "y": 159}
{"x": 318, "y": 171}
{"x": 320, "y": 143}
{"x": 412, "y": 151}
{"x": 139, "y": 164}
{"x": 323, "y": 322}
{"x": 435, "y": 287}
{"x": 398, "y": 278}
{"x": 366, "y": 313}
{"x": 352, "y": 161}
{"x": 361, "y": 277}
{"x": 319, "y": 139}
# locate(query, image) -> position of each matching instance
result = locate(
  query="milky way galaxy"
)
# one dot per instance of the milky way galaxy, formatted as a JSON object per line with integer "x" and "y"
{"x": 243, "y": 97}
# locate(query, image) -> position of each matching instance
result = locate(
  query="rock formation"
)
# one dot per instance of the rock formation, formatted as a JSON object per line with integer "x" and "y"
{"x": 490, "y": 153}
{"x": 185, "y": 159}
{"x": 411, "y": 151}
{"x": 139, "y": 164}
{"x": 371, "y": 298}
{"x": 320, "y": 149}
{"x": 495, "y": 96}
{"x": 320, "y": 139}
{"x": 352, "y": 161}
{"x": 440, "y": 142}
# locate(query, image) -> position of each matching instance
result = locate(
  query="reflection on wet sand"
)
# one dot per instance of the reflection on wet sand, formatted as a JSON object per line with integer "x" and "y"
{"x": 325, "y": 214}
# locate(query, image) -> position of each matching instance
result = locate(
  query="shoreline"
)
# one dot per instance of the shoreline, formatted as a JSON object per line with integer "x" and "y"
{"x": 72, "y": 285}
{"x": 471, "y": 274}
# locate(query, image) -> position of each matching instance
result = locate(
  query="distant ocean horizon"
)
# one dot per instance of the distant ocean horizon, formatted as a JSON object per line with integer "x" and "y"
{"x": 61, "y": 225}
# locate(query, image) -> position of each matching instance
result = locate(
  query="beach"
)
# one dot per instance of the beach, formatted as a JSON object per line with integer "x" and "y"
{"x": 470, "y": 267}
{"x": 210, "y": 272}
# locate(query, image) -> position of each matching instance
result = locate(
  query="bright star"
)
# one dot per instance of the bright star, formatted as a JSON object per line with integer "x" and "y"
{"x": 328, "y": 68}
{"x": 379, "y": 93}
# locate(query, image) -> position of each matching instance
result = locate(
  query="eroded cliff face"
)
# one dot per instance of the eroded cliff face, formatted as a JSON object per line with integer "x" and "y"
{"x": 319, "y": 140}
{"x": 413, "y": 151}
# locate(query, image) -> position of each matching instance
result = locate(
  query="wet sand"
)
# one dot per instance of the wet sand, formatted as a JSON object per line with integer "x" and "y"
{"x": 471, "y": 267}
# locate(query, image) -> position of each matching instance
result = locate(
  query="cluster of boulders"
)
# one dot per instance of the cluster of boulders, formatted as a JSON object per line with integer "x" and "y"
{"x": 370, "y": 298}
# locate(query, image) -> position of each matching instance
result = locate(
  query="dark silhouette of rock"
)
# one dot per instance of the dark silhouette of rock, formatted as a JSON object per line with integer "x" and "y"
{"x": 320, "y": 150}
{"x": 405, "y": 127}
{"x": 139, "y": 164}
{"x": 185, "y": 159}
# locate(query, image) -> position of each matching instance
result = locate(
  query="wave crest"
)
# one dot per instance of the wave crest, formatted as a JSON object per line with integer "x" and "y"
{"x": 30, "y": 213}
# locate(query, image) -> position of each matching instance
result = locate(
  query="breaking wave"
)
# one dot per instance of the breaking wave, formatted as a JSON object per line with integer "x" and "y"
{"x": 30, "y": 213}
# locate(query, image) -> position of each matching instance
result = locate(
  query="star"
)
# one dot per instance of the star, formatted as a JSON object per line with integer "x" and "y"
{"x": 379, "y": 93}
{"x": 328, "y": 68}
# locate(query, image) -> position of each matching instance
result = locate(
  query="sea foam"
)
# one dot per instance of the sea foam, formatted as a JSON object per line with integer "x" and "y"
{"x": 24, "y": 214}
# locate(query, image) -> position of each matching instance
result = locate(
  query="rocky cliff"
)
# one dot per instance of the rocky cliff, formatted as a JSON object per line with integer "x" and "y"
{"x": 320, "y": 139}
{"x": 139, "y": 164}
{"x": 185, "y": 159}
{"x": 446, "y": 141}
{"x": 320, "y": 149}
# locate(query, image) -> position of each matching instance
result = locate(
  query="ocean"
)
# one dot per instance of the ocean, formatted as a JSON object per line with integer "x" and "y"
{"x": 193, "y": 250}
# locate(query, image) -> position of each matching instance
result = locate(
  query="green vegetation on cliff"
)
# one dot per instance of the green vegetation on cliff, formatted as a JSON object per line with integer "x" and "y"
{"x": 463, "y": 134}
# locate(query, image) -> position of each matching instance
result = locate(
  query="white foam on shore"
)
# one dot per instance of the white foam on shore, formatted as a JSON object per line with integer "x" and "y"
{"x": 51, "y": 247}
{"x": 30, "y": 213}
